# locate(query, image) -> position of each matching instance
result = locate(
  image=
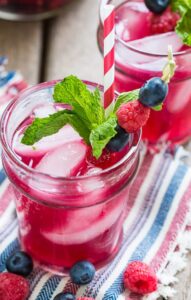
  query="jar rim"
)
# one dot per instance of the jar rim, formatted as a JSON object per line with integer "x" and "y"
{"x": 12, "y": 155}
{"x": 126, "y": 44}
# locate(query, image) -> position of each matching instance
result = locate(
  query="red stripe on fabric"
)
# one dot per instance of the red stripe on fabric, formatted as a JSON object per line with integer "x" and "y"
{"x": 140, "y": 178}
{"x": 172, "y": 234}
{"x": 71, "y": 287}
{"x": 109, "y": 60}
{"x": 108, "y": 96}
{"x": 109, "y": 24}
{"x": 5, "y": 199}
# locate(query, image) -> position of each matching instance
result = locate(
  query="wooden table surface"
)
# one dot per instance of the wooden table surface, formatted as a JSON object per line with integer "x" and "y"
{"x": 62, "y": 46}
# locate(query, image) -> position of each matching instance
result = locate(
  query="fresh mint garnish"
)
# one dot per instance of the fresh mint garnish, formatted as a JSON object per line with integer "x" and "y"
{"x": 42, "y": 127}
{"x": 102, "y": 134}
{"x": 183, "y": 27}
{"x": 85, "y": 104}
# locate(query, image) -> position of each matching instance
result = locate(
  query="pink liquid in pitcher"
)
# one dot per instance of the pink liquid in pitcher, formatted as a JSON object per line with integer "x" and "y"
{"x": 30, "y": 6}
{"x": 90, "y": 226}
{"x": 141, "y": 55}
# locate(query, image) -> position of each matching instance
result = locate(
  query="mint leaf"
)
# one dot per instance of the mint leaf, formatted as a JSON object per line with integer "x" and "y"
{"x": 180, "y": 6}
{"x": 126, "y": 97}
{"x": 183, "y": 7}
{"x": 43, "y": 127}
{"x": 183, "y": 28}
{"x": 102, "y": 134}
{"x": 52, "y": 124}
{"x": 86, "y": 105}
{"x": 79, "y": 126}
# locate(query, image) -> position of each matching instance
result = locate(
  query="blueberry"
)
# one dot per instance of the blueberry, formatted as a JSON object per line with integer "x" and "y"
{"x": 65, "y": 296}
{"x": 82, "y": 272}
{"x": 157, "y": 6}
{"x": 153, "y": 92}
{"x": 20, "y": 263}
{"x": 118, "y": 142}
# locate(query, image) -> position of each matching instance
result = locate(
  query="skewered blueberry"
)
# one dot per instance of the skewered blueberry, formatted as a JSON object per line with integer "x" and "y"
{"x": 153, "y": 92}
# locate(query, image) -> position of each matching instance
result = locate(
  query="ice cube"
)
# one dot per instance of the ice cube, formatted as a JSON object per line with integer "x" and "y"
{"x": 158, "y": 44}
{"x": 64, "y": 135}
{"x": 44, "y": 111}
{"x": 141, "y": 64}
{"x": 92, "y": 184}
{"x": 85, "y": 224}
{"x": 63, "y": 161}
{"x": 93, "y": 171}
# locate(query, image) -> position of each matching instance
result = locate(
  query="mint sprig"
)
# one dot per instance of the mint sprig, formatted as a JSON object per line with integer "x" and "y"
{"x": 183, "y": 27}
{"x": 87, "y": 116}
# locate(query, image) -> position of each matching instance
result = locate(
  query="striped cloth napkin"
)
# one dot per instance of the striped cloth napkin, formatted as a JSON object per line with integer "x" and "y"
{"x": 155, "y": 231}
{"x": 11, "y": 83}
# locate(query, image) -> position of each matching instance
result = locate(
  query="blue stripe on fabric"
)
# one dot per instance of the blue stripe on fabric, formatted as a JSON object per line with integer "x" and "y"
{"x": 9, "y": 227}
{"x": 141, "y": 251}
{"x": 49, "y": 288}
{"x": 3, "y": 60}
{"x": 2, "y": 176}
{"x": 34, "y": 279}
{"x": 5, "y": 79}
{"x": 11, "y": 248}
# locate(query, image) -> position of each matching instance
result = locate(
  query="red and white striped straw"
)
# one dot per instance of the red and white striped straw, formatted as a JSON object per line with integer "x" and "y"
{"x": 109, "y": 55}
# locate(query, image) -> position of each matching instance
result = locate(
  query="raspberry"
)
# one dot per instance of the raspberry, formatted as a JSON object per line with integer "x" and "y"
{"x": 13, "y": 287}
{"x": 106, "y": 160}
{"x": 85, "y": 298}
{"x": 165, "y": 22}
{"x": 132, "y": 115}
{"x": 140, "y": 278}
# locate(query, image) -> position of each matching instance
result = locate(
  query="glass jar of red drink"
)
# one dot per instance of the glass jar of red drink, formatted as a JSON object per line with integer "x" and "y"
{"x": 29, "y": 9}
{"x": 139, "y": 55}
{"x": 65, "y": 219}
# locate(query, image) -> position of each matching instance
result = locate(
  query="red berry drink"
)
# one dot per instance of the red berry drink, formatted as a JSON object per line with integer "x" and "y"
{"x": 70, "y": 205}
{"x": 21, "y": 9}
{"x": 140, "y": 53}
